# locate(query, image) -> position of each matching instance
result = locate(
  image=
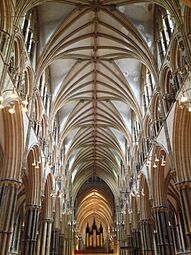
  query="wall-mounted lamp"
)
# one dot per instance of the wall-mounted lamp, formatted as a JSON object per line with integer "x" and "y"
{"x": 156, "y": 159}
{"x": 24, "y": 105}
{"x": 24, "y": 109}
{"x": 13, "y": 95}
{"x": 185, "y": 98}
{"x": 163, "y": 162}
{"x": 160, "y": 159}
{"x": 35, "y": 164}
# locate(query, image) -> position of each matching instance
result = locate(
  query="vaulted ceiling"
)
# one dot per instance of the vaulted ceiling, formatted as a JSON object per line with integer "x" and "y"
{"x": 95, "y": 53}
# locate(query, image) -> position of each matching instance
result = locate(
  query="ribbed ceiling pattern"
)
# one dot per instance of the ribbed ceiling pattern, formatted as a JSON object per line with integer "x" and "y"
{"x": 87, "y": 55}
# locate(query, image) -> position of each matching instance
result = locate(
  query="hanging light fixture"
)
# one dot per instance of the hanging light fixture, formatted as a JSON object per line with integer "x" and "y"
{"x": 156, "y": 159}
{"x": 13, "y": 95}
{"x": 183, "y": 98}
{"x": 24, "y": 108}
{"x": 25, "y": 101}
{"x": 155, "y": 165}
{"x": 12, "y": 109}
{"x": 163, "y": 161}
{"x": 34, "y": 163}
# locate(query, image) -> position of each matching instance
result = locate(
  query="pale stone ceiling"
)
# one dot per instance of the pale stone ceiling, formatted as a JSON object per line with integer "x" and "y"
{"x": 95, "y": 54}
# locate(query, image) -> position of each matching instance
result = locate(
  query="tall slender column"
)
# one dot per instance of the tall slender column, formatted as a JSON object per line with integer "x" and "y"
{"x": 70, "y": 246}
{"x": 147, "y": 237}
{"x": 48, "y": 239}
{"x": 163, "y": 233}
{"x": 185, "y": 195}
{"x": 16, "y": 236}
{"x": 69, "y": 240}
{"x": 54, "y": 247}
{"x": 45, "y": 237}
{"x": 129, "y": 245}
{"x": 8, "y": 198}
{"x": 30, "y": 230}
{"x": 136, "y": 238}
{"x": 61, "y": 244}
{"x": 66, "y": 247}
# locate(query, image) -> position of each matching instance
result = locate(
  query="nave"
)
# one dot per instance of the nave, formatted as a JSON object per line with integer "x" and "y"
{"x": 95, "y": 127}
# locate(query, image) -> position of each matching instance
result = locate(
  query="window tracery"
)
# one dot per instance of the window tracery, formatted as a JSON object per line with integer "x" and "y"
{"x": 165, "y": 26}
{"x": 28, "y": 27}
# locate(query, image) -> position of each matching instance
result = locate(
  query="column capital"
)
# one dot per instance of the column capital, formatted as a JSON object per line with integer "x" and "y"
{"x": 142, "y": 221}
{"x": 10, "y": 182}
{"x": 47, "y": 220}
{"x": 32, "y": 206}
{"x": 159, "y": 209}
{"x": 185, "y": 184}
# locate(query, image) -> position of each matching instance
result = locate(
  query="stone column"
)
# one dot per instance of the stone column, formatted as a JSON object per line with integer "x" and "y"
{"x": 8, "y": 199}
{"x": 45, "y": 237}
{"x": 61, "y": 245}
{"x": 147, "y": 237}
{"x": 65, "y": 247}
{"x": 30, "y": 230}
{"x": 68, "y": 247}
{"x": 136, "y": 241}
{"x": 129, "y": 245}
{"x": 54, "y": 246}
{"x": 163, "y": 233}
{"x": 185, "y": 199}
{"x": 48, "y": 238}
